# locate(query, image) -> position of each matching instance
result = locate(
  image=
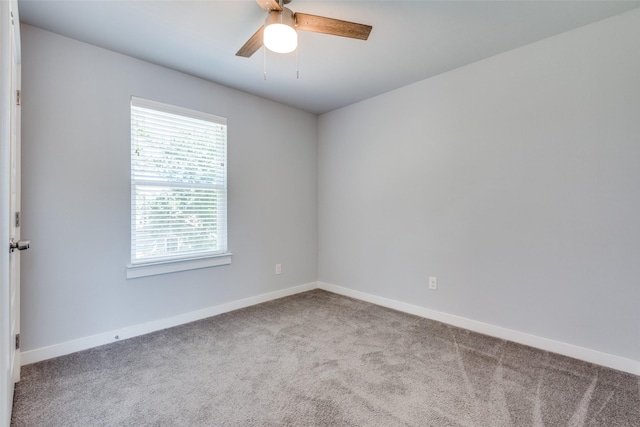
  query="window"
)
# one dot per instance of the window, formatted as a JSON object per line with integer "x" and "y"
{"x": 178, "y": 189}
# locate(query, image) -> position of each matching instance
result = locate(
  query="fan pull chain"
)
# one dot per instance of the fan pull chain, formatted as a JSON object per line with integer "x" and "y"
{"x": 297, "y": 60}
{"x": 264, "y": 62}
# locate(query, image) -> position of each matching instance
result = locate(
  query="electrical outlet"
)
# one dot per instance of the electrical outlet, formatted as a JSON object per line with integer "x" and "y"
{"x": 278, "y": 268}
{"x": 433, "y": 283}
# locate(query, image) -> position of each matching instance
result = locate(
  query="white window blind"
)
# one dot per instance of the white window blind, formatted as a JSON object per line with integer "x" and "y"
{"x": 178, "y": 183}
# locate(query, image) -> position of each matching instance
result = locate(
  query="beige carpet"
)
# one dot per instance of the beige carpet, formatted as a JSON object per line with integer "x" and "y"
{"x": 320, "y": 359}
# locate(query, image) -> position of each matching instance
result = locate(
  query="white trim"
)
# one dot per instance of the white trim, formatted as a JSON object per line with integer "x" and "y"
{"x": 56, "y": 350}
{"x": 173, "y": 266}
{"x": 570, "y": 350}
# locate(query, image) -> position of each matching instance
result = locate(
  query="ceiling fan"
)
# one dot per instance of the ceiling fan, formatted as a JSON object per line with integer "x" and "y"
{"x": 281, "y": 26}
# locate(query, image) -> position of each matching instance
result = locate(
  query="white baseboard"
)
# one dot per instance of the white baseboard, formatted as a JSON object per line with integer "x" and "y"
{"x": 44, "y": 353}
{"x": 581, "y": 353}
{"x": 570, "y": 350}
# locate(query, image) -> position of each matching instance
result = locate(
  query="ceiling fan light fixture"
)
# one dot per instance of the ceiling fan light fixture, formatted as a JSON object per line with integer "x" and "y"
{"x": 280, "y": 35}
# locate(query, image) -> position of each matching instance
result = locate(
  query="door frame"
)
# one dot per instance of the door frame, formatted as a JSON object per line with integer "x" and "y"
{"x": 9, "y": 202}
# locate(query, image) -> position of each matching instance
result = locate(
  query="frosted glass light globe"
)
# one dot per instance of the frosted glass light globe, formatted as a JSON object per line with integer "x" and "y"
{"x": 280, "y": 38}
{"x": 279, "y": 34}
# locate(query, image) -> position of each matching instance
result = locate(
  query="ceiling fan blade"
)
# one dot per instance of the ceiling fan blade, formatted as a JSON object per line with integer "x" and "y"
{"x": 336, "y": 27}
{"x": 252, "y": 45}
{"x": 268, "y": 5}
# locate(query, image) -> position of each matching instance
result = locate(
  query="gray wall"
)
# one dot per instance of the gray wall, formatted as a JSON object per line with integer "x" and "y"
{"x": 76, "y": 193}
{"x": 515, "y": 181}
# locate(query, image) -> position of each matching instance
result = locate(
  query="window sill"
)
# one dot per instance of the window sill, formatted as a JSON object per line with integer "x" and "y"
{"x": 164, "y": 267}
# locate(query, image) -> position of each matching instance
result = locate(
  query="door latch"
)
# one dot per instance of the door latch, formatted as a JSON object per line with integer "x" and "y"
{"x": 20, "y": 245}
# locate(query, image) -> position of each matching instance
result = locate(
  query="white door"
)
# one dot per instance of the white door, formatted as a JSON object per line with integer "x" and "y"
{"x": 10, "y": 243}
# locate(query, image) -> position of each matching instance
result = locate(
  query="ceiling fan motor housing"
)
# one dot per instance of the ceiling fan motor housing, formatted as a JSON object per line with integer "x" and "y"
{"x": 284, "y": 16}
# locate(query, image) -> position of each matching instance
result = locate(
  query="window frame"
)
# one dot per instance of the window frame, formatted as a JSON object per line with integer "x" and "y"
{"x": 179, "y": 262}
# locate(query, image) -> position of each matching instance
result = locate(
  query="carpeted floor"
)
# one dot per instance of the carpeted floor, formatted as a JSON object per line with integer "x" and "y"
{"x": 320, "y": 359}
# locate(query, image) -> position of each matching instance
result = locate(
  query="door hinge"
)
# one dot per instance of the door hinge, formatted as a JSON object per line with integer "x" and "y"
{"x": 17, "y": 219}
{"x": 17, "y": 341}
{"x": 18, "y": 98}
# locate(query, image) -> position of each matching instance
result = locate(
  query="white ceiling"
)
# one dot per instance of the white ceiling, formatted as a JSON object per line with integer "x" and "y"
{"x": 410, "y": 41}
